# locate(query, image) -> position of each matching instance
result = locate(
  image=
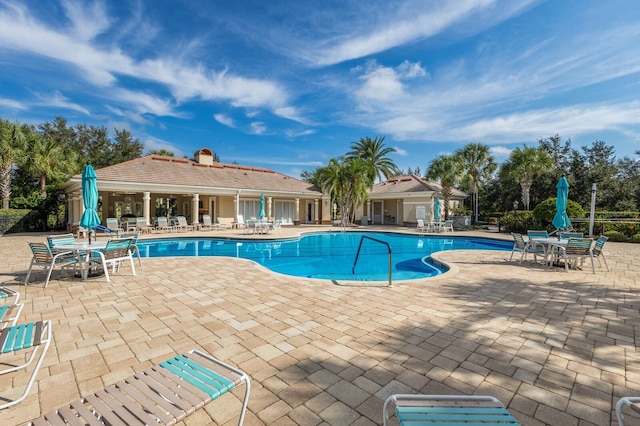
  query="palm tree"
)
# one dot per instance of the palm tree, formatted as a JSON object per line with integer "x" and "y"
{"x": 478, "y": 165}
{"x": 348, "y": 180}
{"x": 373, "y": 152}
{"x": 523, "y": 165}
{"x": 46, "y": 159}
{"x": 12, "y": 143}
{"x": 448, "y": 171}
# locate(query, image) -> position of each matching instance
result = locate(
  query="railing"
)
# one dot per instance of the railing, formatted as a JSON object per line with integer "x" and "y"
{"x": 353, "y": 269}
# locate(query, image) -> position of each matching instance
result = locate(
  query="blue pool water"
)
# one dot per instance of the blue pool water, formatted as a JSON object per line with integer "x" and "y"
{"x": 330, "y": 255}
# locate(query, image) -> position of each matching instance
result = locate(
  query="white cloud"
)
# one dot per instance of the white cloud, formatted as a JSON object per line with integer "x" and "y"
{"x": 58, "y": 100}
{"x": 500, "y": 151}
{"x": 10, "y": 103}
{"x": 258, "y": 128}
{"x": 155, "y": 144}
{"x": 400, "y": 151}
{"x": 224, "y": 119}
{"x": 102, "y": 66}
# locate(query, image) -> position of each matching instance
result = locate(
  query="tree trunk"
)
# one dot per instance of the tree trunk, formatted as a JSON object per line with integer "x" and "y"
{"x": 5, "y": 184}
{"x": 43, "y": 186}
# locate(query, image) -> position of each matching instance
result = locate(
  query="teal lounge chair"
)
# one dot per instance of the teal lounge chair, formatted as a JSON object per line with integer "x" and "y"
{"x": 447, "y": 410}
{"x": 33, "y": 337}
{"x": 163, "y": 394}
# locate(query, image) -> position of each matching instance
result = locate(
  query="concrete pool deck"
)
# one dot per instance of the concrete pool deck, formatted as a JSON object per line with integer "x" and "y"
{"x": 556, "y": 348}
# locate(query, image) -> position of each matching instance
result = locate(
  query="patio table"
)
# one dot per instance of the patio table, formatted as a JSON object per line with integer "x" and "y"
{"x": 549, "y": 243}
{"x": 81, "y": 250}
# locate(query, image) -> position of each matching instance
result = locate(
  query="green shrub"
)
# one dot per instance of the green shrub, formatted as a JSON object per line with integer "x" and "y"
{"x": 546, "y": 210}
{"x": 520, "y": 222}
{"x": 616, "y": 236}
{"x": 14, "y": 220}
{"x": 635, "y": 239}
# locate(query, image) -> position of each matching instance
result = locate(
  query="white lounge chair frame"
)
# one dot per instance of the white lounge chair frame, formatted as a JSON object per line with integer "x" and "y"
{"x": 34, "y": 337}
{"x": 115, "y": 253}
{"x": 447, "y": 409}
{"x": 163, "y": 394}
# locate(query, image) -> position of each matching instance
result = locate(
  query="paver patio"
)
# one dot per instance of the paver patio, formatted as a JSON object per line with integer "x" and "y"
{"x": 556, "y": 348}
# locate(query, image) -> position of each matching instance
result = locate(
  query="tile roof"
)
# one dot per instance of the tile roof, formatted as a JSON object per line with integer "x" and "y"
{"x": 158, "y": 169}
{"x": 408, "y": 183}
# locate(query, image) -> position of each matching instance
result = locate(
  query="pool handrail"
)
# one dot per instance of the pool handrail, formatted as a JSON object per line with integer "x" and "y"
{"x": 353, "y": 269}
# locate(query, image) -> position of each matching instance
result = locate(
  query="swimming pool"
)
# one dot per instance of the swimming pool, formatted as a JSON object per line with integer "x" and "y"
{"x": 330, "y": 255}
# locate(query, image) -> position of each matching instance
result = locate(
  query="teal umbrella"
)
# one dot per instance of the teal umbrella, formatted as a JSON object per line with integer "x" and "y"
{"x": 262, "y": 215}
{"x": 436, "y": 209}
{"x": 90, "y": 219}
{"x": 561, "y": 220}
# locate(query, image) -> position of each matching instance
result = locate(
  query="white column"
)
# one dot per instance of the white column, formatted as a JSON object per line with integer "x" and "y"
{"x": 296, "y": 217}
{"x": 269, "y": 201}
{"x": 195, "y": 209}
{"x": 146, "y": 207}
{"x": 236, "y": 205}
{"x": 78, "y": 207}
{"x": 316, "y": 210}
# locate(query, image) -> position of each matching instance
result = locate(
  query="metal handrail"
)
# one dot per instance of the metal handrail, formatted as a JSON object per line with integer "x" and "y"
{"x": 353, "y": 269}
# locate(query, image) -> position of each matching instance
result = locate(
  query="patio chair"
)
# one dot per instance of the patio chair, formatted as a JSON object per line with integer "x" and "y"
{"x": 447, "y": 409}
{"x": 182, "y": 224}
{"x": 48, "y": 259}
{"x": 276, "y": 226}
{"x": 60, "y": 239}
{"x": 162, "y": 394}
{"x": 524, "y": 247}
{"x": 447, "y": 226}
{"x": 421, "y": 227}
{"x": 104, "y": 231}
{"x": 115, "y": 253}
{"x": 570, "y": 234}
{"x": 134, "y": 245}
{"x": 576, "y": 249}
{"x": 20, "y": 345}
{"x": 597, "y": 250}
{"x": 240, "y": 223}
{"x": 537, "y": 234}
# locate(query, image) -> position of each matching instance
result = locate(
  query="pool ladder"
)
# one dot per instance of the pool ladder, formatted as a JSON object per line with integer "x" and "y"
{"x": 353, "y": 270}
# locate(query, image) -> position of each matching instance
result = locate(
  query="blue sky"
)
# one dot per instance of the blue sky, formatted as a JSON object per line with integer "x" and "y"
{"x": 288, "y": 85}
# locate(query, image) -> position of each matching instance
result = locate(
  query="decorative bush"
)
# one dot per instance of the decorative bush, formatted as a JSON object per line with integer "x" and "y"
{"x": 635, "y": 239}
{"x": 616, "y": 236}
{"x": 546, "y": 210}
{"x": 13, "y": 220}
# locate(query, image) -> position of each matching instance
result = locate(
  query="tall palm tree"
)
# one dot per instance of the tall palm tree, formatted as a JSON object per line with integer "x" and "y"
{"x": 446, "y": 169}
{"x": 373, "y": 152}
{"x": 12, "y": 143}
{"x": 478, "y": 165}
{"x": 47, "y": 159}
{"x": 348, "y": 180}
{"x": 523, "y": 165}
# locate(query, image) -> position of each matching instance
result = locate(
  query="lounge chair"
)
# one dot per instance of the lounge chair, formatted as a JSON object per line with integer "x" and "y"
{"x": 6, "y": 294}
{"x": 524, "y": 247}
{"x": 9, "y": 314}
{"x": 182, "y": 224}
{"x": 142, "y": 225}
{"x": 162, "y": 224}
{"x": 597, "y": 250}
{"x": 632, "y": 402}
{"x": 60, "y": 239}
{"x": 207, "y": 223}
{"x": 421, "y": 227}
{"x": 101, "y": 230}
{"x": 114, "y": 223}
{"x": 163, "y": 394}
{"x": 240, "y": 222}
{"x": 225, "y": 222}
{"x": 49, "y": 259}
{"x": 447, "y": 409}
{"x": 276, "y": 226}
{"x": 115, "y": 253}
{"x": 15, "y": 344}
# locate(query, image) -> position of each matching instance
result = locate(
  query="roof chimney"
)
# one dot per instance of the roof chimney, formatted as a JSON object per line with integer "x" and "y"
{"x": 204, "y": 156}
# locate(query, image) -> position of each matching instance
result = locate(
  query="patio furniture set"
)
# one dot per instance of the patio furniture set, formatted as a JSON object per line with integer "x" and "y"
{"x": 569, "y": 247}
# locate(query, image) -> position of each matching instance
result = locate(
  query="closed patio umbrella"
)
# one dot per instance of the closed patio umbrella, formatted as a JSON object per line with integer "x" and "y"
{"x": 436, "y": 210}
{"x": 561, "y": 220}
{"x": 90, "y": 219}
{"x": 261, "y": 214}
